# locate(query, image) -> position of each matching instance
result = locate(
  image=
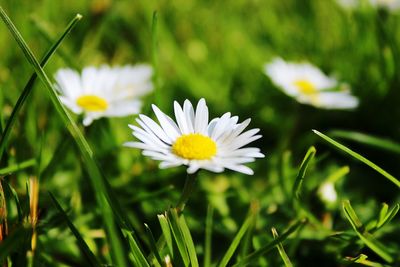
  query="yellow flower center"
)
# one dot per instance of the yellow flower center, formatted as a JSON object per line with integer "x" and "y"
{"x": 194, "y": 146}
{"x": 305, "y": 87}
{"x": 92, "y": 103}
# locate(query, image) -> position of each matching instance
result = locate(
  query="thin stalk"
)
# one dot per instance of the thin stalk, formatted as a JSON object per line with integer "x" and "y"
{"x": 187, "y": 191}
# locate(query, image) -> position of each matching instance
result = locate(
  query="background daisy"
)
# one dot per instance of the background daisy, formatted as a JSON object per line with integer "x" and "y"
{"x": 196, "y": 142}
{"x": 309, "y": 85}
{"x": 104, "y": 91}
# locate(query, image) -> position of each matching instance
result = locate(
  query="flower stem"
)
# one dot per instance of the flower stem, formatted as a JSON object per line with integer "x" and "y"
{"x": 187, "y": 191}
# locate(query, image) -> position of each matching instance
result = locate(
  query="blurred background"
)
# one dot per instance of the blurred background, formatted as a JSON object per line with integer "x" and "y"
{"x": 215, "y": 50}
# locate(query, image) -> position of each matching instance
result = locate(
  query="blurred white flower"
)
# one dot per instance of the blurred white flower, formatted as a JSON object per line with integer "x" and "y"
{"x": 104, "y": 91}
{"x": 349, "y": 4}
{"x": 196, "y": 142}
{"x": 384, "y": 4}
{"x": 327, "y": 193}
{"x": 309, "y": 85}
{"x": 387, "y": 4}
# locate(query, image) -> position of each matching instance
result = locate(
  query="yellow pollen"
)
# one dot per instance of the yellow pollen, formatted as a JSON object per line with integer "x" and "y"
{"x": 194, "y": 146}
{"x": 305, "y": 87}
{"x": 92, "y": 103}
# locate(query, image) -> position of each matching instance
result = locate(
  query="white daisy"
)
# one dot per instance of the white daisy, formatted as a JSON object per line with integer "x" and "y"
{"x": 196, "y": 142}
{"x": 104, "y": 91}
{"x": 309, "y": 85}
{"x": 327, "y": 193}
{"x": 349, "y": 4}
{"x": 386, "y": 4}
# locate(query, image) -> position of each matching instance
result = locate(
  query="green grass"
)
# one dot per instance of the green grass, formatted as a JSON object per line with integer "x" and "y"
{"x": 111, "y": 206}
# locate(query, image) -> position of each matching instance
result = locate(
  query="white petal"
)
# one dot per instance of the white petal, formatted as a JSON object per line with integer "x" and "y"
{"x": 69, "y": 83}
{"x": 71, "y": 105}
{"x": 337, "y": 100}
{"x": 169, "y": 164}
{"x": 189, "y": 115}
{"x": 193, "y": 167}
{"x": 147, "y": 137}
{"x": 240, "y": 168}
{"x": 221, "y": 125}
{"x": 152, "y": 126}
{"x": 240, "y": 142}
{"x": 124, "y": 108}
{"x": 239, "y": 128}
{"x": 180, "y": 119}
{"x": 87, "y": 120}
{"x": 169, "y": 126}
{"x": 201, "y": 117}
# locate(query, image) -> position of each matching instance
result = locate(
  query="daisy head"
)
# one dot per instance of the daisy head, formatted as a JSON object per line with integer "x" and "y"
{"x": 196, "y": 142}
{"x": 308, "y": 85}
{"x": 383, "y": 4}
{"x": 386, "y": 4}
{"x": 104, "y": 91}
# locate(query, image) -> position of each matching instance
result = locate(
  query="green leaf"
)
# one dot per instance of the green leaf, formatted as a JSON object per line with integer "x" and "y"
{"x": 364, "y": 236}
{"x": 359, "y": 157}
{"x": 29, "y": 86}
{"x": 302, "y": 172}
{"x": 87, "y": 253}
{"x": 236, "y": 241}
{"x": 258, "y": 253}
{"x": 378, "y": 142}
{"x": 281, "y": 250}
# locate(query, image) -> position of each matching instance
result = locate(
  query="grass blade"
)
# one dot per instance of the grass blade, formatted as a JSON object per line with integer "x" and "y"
{"x": 88, "y": 254}
{"x": 153, "y": 244}
{"x": 17, "y": 167}
{"x": 94, "y": 173}
{"x": 236, "y": 241}
{"x": 180, "y": 219}
{"x": 258, "y": 253}
{"x": 137, "y": 254}
{"x": 10, "y": 192}
{"x": 166, "y": 232}
{"x": 362, "y": 259}
{"x": 29, "y": 86}
{"x": 178, "y": 237}
{"x": 281, "y": 250}
{"x": 359, "y": 157}
{"x": 302, "y": 172}
{"x": 370, "y": 140}
{"x": 388, "y": 216}
{"x": 364, "y": 236}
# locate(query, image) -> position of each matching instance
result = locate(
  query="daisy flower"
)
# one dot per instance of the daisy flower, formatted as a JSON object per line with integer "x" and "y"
{"x": 195, "y": 141}
{"x": 104, "y": 91}
{"x": 386, "y": 4}
{"x": 309, "y": 85}
{"x": 349, "y": 4}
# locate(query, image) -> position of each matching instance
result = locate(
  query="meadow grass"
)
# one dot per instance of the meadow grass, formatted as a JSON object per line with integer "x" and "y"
{"x": 74, "y": 196}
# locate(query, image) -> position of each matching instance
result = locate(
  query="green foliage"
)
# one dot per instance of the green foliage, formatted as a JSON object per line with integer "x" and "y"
{"x": 120, "y": 209}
